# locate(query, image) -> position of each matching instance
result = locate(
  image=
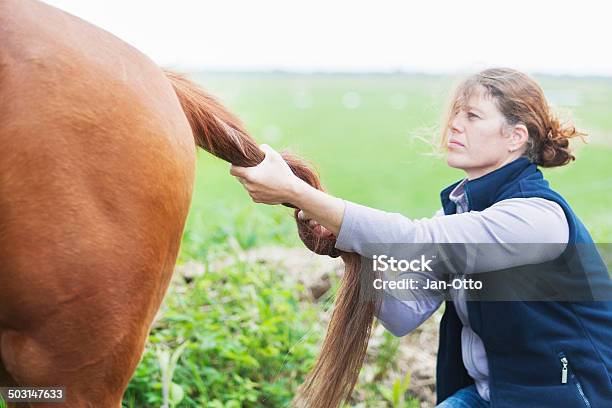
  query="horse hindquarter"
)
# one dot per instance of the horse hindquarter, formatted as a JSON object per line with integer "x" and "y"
{"x": 96, "y": 172}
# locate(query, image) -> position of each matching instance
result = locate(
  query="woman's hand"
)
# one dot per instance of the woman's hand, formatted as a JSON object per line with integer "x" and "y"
{"x": 317, "y": 228}
{"x": 271, "y": 181}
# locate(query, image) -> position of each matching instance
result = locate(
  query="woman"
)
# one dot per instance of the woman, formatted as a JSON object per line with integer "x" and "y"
{"x": 501, "y": 354}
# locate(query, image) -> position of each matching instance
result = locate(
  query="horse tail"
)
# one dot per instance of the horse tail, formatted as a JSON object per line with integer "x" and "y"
{"x": 214, "y": 128}
{"x": 337, "y": 367}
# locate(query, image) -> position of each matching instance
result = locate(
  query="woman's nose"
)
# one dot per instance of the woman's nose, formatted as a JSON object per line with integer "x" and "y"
{"x": 456, "y": 125}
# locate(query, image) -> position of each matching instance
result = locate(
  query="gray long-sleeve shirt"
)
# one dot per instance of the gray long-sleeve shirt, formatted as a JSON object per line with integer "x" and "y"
{"x": 508, "y": 221}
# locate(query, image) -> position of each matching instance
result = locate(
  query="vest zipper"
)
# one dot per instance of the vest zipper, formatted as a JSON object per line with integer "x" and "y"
{"x": 565, "y": 369}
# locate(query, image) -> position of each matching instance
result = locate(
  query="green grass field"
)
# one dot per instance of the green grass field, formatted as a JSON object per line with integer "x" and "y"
{"x": 247, "y": 340}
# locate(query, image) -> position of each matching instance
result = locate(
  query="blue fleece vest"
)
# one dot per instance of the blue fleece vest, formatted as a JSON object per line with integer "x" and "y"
{"x": 528, "y": 343}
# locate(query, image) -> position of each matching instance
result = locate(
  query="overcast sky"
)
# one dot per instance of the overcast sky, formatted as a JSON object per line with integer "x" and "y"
{"x": 332, "y": 35}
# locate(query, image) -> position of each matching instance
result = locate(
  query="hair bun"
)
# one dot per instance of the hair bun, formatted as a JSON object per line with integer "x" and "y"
{"x": 555, "y": 147}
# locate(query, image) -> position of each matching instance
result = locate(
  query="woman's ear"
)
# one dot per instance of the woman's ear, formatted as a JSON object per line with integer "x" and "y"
{"x": 518, "y": 137}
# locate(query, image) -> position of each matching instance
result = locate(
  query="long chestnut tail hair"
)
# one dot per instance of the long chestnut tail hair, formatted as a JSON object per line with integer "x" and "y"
{"x": 337, "y": 367}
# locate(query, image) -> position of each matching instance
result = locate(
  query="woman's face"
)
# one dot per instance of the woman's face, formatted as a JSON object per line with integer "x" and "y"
{"x": 477, "y": 142}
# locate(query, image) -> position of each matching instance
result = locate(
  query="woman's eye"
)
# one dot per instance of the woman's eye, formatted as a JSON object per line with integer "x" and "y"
{"x": 472, "y": 115}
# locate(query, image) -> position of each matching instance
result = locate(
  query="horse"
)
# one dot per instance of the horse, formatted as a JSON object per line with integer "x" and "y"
{"x": 97, "y": 162}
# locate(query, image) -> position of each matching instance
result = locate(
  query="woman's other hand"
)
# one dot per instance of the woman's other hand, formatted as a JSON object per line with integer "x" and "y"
{"x": 317, "y": 228}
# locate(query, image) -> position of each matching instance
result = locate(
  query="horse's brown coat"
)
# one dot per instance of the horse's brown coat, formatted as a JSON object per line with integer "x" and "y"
{"x": 96, "y": 173}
